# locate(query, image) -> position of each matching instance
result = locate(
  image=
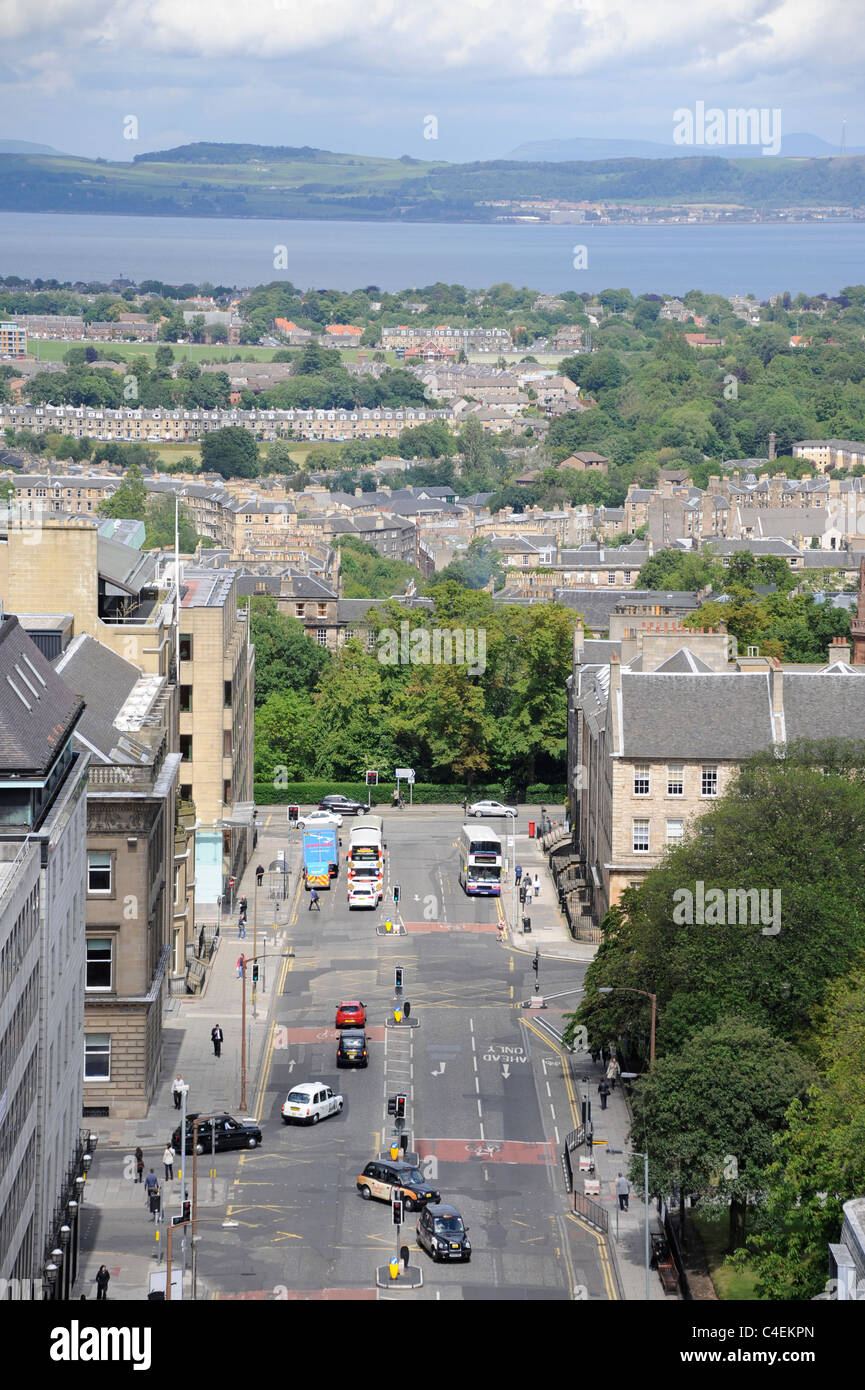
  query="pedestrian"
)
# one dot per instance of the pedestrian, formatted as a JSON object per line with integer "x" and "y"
{"x": 259, "y": 875}
{"x": 151, "y": 1185}
{"x": 168, "y": 1160}
{"x": 595, "y": 1055}
{"x": 465, "y": 806}
{"x": 623, "y": 1188}
{"x": 537, "y": 886}
{"x": 314, "y": 902}
{"x": 243, "y": 905}
{"x": 604, "y": 1091}
{"x": 241, "y": 927}
{"x": 178, "y": 1086}
{"x": 518, "y": 873}
{"x": 139, "y": 1165}
{"x": 241, "y": 962}
{"x": 101, "y": 1282}
{"x": 216, "y": 1039}
{"x": 613, "y": 1073}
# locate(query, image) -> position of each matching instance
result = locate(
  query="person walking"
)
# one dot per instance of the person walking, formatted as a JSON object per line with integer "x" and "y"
{"x": 178, "y": 1086}
{"x": 518, "y": 874}
{"x": 604, "y": 1091}
{"x": 537, "y": 886}
{"x": 216, "y": 1039}
{"x": 168, "y": 1160}
{"x": 259, "y": 875}
{"x": 151, "y": 1189}
{"x": 243, "y": 906}
{"x": 101, "y": 1282}
{"x": 241, "y": 927}
{"x": 241, "y": 962}
{"x": 313, "y": 901}
{"x": 613, "y": 1073}
{"x": 623, "y": 1190}
{"x": 139, "y": 1165}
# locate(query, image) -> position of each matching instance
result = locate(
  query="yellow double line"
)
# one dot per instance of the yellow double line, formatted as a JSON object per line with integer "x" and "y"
{"x": 603, "y": 1248}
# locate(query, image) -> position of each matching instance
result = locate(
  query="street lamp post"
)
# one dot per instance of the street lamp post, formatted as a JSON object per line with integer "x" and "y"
{"x": 65, "y": 1233}
{"x": 609, "y": 989}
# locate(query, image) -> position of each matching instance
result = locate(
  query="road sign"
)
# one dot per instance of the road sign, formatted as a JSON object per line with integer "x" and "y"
{"x": 404, "y": 774}
{"x": 231, "y": 882}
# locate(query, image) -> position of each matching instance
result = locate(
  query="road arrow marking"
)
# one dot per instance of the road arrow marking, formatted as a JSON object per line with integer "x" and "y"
{"x": 440, "y": 1070}
{"x": 506, "y": 1071}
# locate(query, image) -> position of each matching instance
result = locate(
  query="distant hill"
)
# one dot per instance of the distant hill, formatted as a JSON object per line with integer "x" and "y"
{"x": 582, "y": 148}
{"x": 239, "y": 180}
{"x": 26, "y": 147}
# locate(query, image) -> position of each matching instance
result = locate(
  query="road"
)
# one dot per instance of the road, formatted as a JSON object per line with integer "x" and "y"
{"x": 487, "y": 1101}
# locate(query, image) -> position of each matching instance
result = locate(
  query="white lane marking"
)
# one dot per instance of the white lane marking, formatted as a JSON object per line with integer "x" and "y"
{"x": 556, "y": 1133}
{"x": 552, "y": 1112}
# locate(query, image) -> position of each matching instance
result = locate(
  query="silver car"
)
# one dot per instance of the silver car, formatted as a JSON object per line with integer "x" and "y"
{"x": 491, "y": 808}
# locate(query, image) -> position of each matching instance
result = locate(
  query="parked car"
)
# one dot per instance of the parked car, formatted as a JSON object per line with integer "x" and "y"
{"x": 491, "y": 808}
{"x": 364, "y": 893}
{"x": 351, "y": 1013}
{"x": 314, "y": 818}
{"x": 387, "y": 1178}
{"x": 335, "y": 801}
{"x": 310, "y": 1102}
{"x": 442, "y": 1232}
{"x": 230, "y": 1134}
{"x": 351, "y": 1050}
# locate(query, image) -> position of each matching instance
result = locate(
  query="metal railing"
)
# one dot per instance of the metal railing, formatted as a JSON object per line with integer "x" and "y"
{"x": 592, "y": 1211}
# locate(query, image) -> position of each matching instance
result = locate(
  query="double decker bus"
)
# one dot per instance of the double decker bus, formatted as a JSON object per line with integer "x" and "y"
{"x": 366, "y": 852}
{"x": 480, "y": 860}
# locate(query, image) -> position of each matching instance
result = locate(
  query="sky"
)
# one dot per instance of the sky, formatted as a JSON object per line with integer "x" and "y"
{"x": 365, "y": 76}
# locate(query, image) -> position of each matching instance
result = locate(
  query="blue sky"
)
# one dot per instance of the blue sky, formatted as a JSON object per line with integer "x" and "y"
{"x": 362, "y": 75}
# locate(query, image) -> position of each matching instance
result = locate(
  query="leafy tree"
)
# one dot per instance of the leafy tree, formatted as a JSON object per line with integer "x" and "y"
{"x": 129, "y": 502}
{"x": 708, "y": 1115}
{"x": 285, "y": 658}
{"x": 164, "y": 355}
{"x": 349, "y": 724}
{"x": 232, "y": 452}
{"x": 433, "y": 440}
{"x": 159, "y": 529}
{"x": 284, "y": 736}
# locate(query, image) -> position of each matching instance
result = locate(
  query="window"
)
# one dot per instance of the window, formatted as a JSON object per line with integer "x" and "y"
{"x": 99, "y": 952}
{"x": 299, "y": 610}
{"x": 226, "y": 743}
{"x": 627, "y": 576}
{"x": 321, "y": 636}
{"x": 641, "y": 837}
{"x": 186, "y": 747}
{"x": 348, "y": 634}
{"x": 322, "y": 610}
{"x": 611, "y": 576}
{"x": 226, "y": 694}
{"x": 675, "y": 832}
{"x": 641, "y": 779}
{"x": 676, "y": 779}
{"x": 97, "y": 1056}
{"x": 186, "y": 646}
{"x": 98, "y": 871}
{"x": 185, "y": 699}
{"x": 709, "y": 781}
{"x": 185, "y": 791}
{"x": 226, "y": 791}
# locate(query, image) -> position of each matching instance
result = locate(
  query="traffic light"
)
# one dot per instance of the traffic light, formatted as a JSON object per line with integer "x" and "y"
{"x": 391, "y": 1105}
{"x": 535, "y": 960}
{"x": 372, "y": 779}
{"x": 255, "y": 974}
{"x": 396, "y": 1207}
{"x": 293, "y": 813}
{"x": 406, "y": 1009}
{"x": 185, "y": 1215}
{"x": 400, "y": 1107}
{"x": 397, "y": 978}
{"x": 396, "y": 892}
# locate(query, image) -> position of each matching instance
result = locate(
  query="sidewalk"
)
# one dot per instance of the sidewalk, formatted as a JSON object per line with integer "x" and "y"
{"x": 550, "y": 936}
{"x": 116, "y": 1229}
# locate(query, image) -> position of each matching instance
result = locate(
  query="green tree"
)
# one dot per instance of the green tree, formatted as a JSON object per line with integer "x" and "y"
{"x": 284, "y": 742}
{"x": 232, "y": 452}
{"x": 350, "y": 727}
{"x": 285, "y": 658}
{"x": 159, "y": 528}
{"x": 129, "y": 502}
{"x": 164, "y": 355}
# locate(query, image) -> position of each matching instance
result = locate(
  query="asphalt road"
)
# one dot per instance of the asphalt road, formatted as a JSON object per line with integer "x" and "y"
{"x": 482, "y": 1115}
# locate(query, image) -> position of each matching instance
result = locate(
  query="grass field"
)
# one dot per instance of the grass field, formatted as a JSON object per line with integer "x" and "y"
{"x": 173, "y": 453}
{"x": 55, "y": 349}
{"x": 729, "y": 1283}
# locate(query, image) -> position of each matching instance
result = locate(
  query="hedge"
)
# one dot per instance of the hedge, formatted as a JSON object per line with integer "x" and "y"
{"x": 428, "y": 793}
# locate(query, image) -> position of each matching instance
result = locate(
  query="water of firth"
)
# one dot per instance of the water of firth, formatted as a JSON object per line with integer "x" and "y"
{"x": 759, "y": 259}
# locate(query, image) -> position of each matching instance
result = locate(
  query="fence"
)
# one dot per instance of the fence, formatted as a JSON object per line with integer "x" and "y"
{"x": 592, "y": 1211}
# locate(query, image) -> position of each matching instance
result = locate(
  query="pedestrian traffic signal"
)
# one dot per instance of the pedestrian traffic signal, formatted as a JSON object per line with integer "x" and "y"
{"x": 293, "y": 814}
{"x": 372, "y": 779}
{"x": 396, "y": 1206}
{"x": 400, "y": 1107}
{"x": 391, "y": 1105}
{"x": 535, "y": 960}
{"x": 397, "y": 978}
{"x": 255, "y": 974}
{"x": 185, "y": 1215}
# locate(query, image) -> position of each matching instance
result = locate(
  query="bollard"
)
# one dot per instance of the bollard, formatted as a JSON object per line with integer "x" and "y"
{"x": 397, "y": 1015}
{"x": 388, "y": 926}
{"x": 394, "y": 1150}
{"x": 394, "y": 1267}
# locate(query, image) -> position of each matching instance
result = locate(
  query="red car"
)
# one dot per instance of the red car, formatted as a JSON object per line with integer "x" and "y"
{"x": 351, "y": 1013}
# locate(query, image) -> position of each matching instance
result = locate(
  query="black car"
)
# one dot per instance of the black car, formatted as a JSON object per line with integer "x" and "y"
{"x": 230, "y": 1134}
{"x": 335, "y": 801}
{"x": 387, "y": 1178}
{"x": 351, "y": 1050}
{"x": 442, "y": 1232}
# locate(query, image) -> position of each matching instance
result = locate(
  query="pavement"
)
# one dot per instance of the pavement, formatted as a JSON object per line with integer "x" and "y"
{"x": 116, "y": 1228}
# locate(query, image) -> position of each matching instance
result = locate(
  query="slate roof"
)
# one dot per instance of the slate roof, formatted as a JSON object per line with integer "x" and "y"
{"x": 595, "y": 604}
{"x": 123, "y": 566}
{"x": 38, "y": 711}
{"x": 104, "y": 681}
{"x": 715, "y": 716}
{"x": 818, "y": 704}
{"x": 683, "y": 660}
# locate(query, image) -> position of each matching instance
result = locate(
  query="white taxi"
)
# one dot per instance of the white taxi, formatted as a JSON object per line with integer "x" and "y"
{"x": 310, "y": 1102}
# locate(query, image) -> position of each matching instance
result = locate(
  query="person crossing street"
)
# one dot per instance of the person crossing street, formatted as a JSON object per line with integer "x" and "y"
{"x": 313, "y": 901}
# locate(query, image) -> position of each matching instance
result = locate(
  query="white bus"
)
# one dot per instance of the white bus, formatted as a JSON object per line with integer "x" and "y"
{"x": 481, "y": 860}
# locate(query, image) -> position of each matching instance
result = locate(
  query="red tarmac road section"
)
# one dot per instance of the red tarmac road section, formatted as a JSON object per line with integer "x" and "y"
{"x": 494, "y": 1151}
{"x": 284, "y": 1036}
{"x": 326, "y": 1295}
{"x": 451, "y": 926}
